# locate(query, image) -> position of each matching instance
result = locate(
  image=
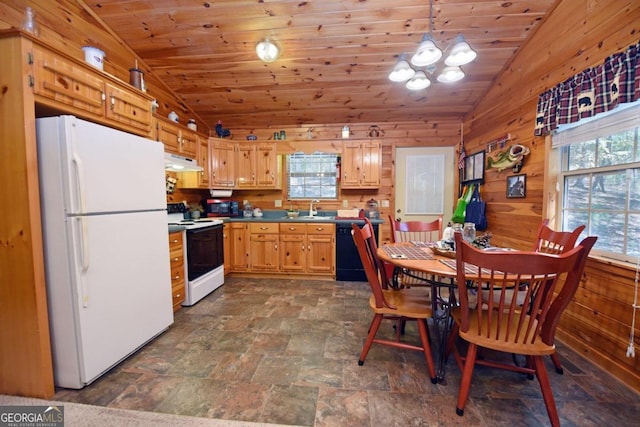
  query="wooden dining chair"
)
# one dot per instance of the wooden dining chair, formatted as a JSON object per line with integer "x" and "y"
{"x": 555, "y": 242}
{"x": 414, "y": 231}
{"x": 506, "y": 325}
{"x": 392, "y": 304}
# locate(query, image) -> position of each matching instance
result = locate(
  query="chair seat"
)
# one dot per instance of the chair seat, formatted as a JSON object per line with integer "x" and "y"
{"x": 509, "y": 345}
{"x": 407, "y": 302}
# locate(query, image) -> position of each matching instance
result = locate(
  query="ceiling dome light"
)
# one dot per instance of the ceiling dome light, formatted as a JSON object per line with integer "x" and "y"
{"x": 419, "y": 81}
{"x": 267, "y": 51}
{"x": 450, "y": 75}
{"x": 461, "y": 53}
{"x": 402, "y": 71}
{"x": 427, "y": 53}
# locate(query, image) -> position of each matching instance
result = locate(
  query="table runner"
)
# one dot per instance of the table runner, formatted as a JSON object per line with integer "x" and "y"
{"x": 406, "y": 252}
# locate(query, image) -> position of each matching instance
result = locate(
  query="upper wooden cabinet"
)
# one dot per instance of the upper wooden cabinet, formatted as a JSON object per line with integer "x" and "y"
{"x": 69, "y": 85}
{"x": 257, "y": 166}
{"x": 200, "y": 179}
{"x": 223, "y": 163}
{"x": 361, "y": 163}
{"x": 176, "y": 138}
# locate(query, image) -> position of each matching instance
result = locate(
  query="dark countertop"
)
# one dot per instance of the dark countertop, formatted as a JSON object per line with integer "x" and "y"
{"x": 281, "y": 217}
{"x": 174, "y": 228}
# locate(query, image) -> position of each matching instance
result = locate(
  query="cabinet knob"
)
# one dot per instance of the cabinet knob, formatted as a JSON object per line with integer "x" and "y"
{"x": 309, "y": 248}
{"x": 264, "y": 228}
{"x": 177, "y": 276}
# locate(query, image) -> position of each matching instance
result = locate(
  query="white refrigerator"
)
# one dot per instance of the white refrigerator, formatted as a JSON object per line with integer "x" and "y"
{"x": 104, "y": 218}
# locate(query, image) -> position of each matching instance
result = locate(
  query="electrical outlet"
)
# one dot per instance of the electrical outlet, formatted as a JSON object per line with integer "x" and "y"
{"x": 384, "y": 204}
{"x": 277, "y": 203}
{"x": 345, "y": 203}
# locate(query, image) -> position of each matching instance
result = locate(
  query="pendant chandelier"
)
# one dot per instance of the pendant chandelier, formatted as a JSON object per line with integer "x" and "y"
{"x": 424, "y": 60}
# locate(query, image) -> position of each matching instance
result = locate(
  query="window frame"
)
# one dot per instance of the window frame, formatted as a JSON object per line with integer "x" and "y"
{"x": 335, "y": 158}
{"x": 599, "y": 137}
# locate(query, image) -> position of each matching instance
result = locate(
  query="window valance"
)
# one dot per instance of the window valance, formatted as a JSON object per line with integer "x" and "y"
{"x": 590, "y": 92}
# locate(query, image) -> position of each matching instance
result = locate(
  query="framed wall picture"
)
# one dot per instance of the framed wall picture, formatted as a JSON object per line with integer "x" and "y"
{"x": 517, "y": 186}
{"x": 473, "y": 171}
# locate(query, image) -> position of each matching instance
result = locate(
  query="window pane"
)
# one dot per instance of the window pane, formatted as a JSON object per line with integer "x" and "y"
{"x": 576, "y": 192}
{"x": 633, "y": 231}
{"x": 609, "y": 191}
{"x": 610, "y": 231}
{"x": 634, "y": 190}
{"x": 582, "y": 155}
{"x": 616, "y": 149}
{"x": 312, "y": 176}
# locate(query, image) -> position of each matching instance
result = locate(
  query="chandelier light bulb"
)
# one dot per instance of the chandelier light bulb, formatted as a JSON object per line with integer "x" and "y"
{"x": 267, "y": 51}
{"x": 402, "y": 71}
{"x": 427, "y": 53}
{"x": 419, "y": 81}
{"x": 450, "y": 75}
{"x": 461, "y": 53}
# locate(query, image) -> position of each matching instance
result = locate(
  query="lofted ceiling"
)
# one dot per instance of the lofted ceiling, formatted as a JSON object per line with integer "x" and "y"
{"x": 335, "y": 60}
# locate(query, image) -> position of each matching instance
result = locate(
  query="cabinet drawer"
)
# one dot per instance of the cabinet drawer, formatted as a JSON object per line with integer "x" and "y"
{"x": 293, "y": 228}
{"x": 324, "y": 228}
{"x": 177, "y": 293}
{"x": 264, "y": 228}
{"x": 177, "y": 273}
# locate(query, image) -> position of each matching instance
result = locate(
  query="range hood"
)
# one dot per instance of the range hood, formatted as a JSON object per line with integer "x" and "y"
{"x": 176, "y": 163}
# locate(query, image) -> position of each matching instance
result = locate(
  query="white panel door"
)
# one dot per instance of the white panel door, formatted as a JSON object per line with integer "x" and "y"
{"x": 424, "y": 180}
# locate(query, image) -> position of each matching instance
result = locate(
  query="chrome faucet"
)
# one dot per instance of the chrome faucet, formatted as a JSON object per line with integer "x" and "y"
{"x": 313, "y": 212}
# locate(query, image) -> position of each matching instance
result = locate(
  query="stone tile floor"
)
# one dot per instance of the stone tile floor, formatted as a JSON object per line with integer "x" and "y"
{"x": 286, "y": 351}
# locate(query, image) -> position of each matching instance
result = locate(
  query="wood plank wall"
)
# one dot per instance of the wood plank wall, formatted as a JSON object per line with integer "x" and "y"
{"x": 328, "y": 138}
{"x": 576, "y": 35}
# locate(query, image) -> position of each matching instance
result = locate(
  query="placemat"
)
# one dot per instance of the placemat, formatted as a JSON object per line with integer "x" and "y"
{"x": 406, "y": 252}
{"x": 468, "y": 268}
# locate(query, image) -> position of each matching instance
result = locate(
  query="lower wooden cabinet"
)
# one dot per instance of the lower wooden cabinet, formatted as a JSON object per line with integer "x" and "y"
{"x": 226, "y": 247}
{"x": 263, "y": 245}
{"x": 290, "y": 248}
{"x": 176, "y": 256}
{"x": 307, "y": 248}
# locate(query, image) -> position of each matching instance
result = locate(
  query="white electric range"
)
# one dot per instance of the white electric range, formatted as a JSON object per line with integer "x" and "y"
{"x": 203, "y": 253}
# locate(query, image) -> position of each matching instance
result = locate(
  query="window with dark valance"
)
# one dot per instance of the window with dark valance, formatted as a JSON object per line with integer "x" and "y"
{"x": 590, "y": 92}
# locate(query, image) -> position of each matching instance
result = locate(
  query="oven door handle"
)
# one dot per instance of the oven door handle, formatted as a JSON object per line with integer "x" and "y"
{"x": 203, "y": 229}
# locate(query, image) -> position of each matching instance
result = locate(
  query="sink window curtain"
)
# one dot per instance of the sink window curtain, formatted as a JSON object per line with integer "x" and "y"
{"x": 592, "y": 91}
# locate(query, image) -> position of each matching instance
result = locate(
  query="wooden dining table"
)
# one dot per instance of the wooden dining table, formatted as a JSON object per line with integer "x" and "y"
{"x": 439, "y": 273}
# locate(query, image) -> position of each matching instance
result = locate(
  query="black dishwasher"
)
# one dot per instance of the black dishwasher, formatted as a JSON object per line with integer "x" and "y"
{"x": 348, "y": 264}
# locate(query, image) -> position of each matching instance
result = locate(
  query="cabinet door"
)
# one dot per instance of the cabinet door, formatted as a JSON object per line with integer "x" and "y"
{"x": 371, "y": 164}
{"x": 246, "y": 166}
{"x": 321, "y": 248}
{"x": 351, "y": 163}
{"x": 222, "y": 164}
{"x": 264, "y": 252}
{"x": 128, "y": 109}
{"x": 293, "y": 253}
{"x": 266, "y": 166}
{"x": 58, "y": 81}
{"x": 226, "y": 246}
{"x": 169, "y": 135}
{"x": 189, "y": 143}
{"x": 239, "y": 247}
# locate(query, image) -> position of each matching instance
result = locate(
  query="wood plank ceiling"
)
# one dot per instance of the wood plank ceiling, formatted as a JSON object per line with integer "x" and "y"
{"x": 335, "y": 60}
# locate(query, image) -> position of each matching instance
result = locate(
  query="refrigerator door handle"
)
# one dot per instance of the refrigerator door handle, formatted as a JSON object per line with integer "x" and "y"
{"x": 79, "y": 181}
{"x": 82, "y": 245}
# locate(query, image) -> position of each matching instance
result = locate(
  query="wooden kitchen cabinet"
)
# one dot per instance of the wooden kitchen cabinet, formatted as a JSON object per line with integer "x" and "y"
{"x": 263, "y": 247}
{"x": 201, "y": 179}
{"x": 321, "y": 248}
{"x": 226, "y": 247}
{"x": 239, "y": 251}
{"x": 176, "y": 256}
{"x": 307, "y": 248}
{"x": 361, "y": 163}
{"x": 223, "y": 161}
{"x": 293, "y": 248}
{"x": 75, "y": 87}
{"x": 177, "y": 139}
{"x": 258, "y": 166}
